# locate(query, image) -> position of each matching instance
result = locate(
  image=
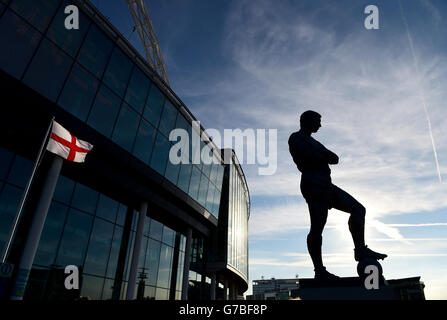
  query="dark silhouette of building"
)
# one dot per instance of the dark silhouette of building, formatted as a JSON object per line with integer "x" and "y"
{"x": 273, "y": 289}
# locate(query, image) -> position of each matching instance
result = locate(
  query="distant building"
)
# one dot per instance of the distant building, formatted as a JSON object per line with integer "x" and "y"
{"x": 273, "y": 289}
{"x": 353, "y": 289}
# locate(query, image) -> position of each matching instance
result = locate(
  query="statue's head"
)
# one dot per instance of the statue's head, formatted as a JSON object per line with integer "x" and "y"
{"x": 310, "y": 121}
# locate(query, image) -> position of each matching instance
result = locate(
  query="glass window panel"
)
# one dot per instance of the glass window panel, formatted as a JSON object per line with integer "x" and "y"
{"x": 160, "y": 154}
{"x": 142, "y": 258}
{"x": 9, "y": 201}
{"x": 164, "y": 268}
{"x": 220, "y": 172}
{"x": 126, "y": 127}
{"x": 107, "y": 291}
{"x": 123, "y": 291}
{"x": 172, "y": 172}
{"x": 181, "y": 259}
{"x": 129, "y": 255}
{"x": 68, "y": 40}
{"x": 216, "y": 203}
{"x": 48, "y": 70}
{"x": 154, "y": 105}
{"x": 95, "y": 51}
{"x": 184, "y": 177}
{"x": 37, "y": 12}
{"x": 107, "y": 208}
{"x": 79, "y": 92}
{"x": 20, "y": 171}
{"x": 64, "y": 190}
{"x": 207, "y": 170}
{"x": 19, "y": 41}
{"x": 162, "y": 294}
{"x": 135, "y": 220}
{"x": 99, "y": 248}
{"x": 149, "y": 293}
{"x": 156, "y": 230}
{"x": 213, "y": 174}
{"x": 85, "y": 198}
{"x": 210, "y": 197}
{"x": 207, "y": 167}
{"x": 5, "y": 162}
{"x": 144, "y": 142}
{"x": 51, "y": 234}
{"x": 118, "y": 72}
{"x": 182, "y": 242}
{"x": 202, "y": 146}
{"x": 36, "y": 285}
{"x": 114, "y": 252}
{"x": 182, "y": 123}
{"x": 146, "y": 228}
{"x": 168, "y": 118}
{"x": 74, "y": 239}
{"x": 203, "y": 190}
{"x": 121, "y": 216}
{"x": 104, "y": 111}
{"x": 92, "y": 287}
{"x": 152, "y": 260}
{"x": 137, "y": 90}
{"x": 168, "y": 236}
{"x": 195, "y": 182}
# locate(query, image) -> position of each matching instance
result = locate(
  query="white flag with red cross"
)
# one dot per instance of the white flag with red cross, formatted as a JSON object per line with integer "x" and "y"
{"x": 66, "y": 145}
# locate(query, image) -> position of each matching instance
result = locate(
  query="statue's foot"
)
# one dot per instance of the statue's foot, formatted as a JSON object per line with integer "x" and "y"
{"x": 365, "y": 252}
{"x": 324, "y": 275}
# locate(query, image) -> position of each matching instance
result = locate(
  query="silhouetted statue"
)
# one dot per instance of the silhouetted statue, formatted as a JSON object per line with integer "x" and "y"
{"x": 313, "y": 160}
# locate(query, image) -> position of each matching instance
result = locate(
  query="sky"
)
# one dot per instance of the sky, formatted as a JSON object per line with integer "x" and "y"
{"x": 381, "y": 93}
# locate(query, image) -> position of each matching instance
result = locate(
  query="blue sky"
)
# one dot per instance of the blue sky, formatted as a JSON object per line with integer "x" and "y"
{"x": 259, "y": 64}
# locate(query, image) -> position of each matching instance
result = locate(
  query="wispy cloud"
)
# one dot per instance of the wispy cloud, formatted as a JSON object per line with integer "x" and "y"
{"x": 370, "y": 102}
{"x": 412, "y": 225}
{"x": 421, "y": 92}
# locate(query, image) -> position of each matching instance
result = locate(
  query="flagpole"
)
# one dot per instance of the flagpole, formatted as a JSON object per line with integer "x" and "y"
{"x": 25, "y": 194}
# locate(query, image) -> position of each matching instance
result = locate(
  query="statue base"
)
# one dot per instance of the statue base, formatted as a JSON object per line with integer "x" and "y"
{"x": 354, "y": 289}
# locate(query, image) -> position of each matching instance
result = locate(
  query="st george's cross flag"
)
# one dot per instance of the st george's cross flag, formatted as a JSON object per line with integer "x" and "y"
{"x": 66, "y": 145}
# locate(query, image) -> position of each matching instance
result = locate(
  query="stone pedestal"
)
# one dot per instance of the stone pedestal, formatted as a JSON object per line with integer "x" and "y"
{"x": 354, "y": 289}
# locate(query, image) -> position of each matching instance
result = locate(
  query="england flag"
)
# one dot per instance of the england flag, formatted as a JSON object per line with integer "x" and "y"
{"x": 66, "y": 145}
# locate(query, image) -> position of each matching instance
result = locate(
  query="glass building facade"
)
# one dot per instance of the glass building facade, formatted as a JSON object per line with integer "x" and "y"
{"x": 94, "y": 81}
{"x": 91, "y": 77}
{"x": 238, "y": 214}
{"x": 89, "y": 230}
{"x": 229, "y": 256}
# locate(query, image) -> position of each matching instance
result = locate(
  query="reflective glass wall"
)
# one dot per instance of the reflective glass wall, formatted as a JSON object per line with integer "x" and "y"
{"x": 14, "y": 174}
{"x": 87, "y": 74}
{"x": 92, "y": 231}
{"x": 238, "y": 213}
{"x": 95, "y": 233}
